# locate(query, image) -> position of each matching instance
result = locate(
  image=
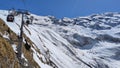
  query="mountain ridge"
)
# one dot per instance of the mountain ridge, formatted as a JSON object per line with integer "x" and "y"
{"x": 84, "y": 42}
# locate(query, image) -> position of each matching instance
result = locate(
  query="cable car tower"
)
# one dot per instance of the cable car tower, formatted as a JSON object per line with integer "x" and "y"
{"x": 10, "y": 18}
{"x": 20, "y": 41}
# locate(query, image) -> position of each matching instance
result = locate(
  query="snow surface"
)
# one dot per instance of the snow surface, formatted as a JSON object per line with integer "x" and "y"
{"x": 14, "y": 47}
{"x": 75, "y": 45}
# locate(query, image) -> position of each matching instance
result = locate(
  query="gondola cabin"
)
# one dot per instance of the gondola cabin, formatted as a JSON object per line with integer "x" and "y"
{"x": 10, "y": 18}
{"x": 28, "y": 22}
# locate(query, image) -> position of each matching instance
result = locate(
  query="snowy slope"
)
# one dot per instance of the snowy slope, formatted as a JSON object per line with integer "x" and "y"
{"x": 84, "y": 42}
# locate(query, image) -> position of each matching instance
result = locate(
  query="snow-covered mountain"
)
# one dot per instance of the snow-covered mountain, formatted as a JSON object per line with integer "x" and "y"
{"x": 84, "y": 42}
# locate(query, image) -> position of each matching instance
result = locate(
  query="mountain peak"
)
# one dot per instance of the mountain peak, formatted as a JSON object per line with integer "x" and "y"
{"x": 84, "y": 42}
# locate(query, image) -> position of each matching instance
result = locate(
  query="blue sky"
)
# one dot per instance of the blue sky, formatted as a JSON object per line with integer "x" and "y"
{"x": 63, "y": 8}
